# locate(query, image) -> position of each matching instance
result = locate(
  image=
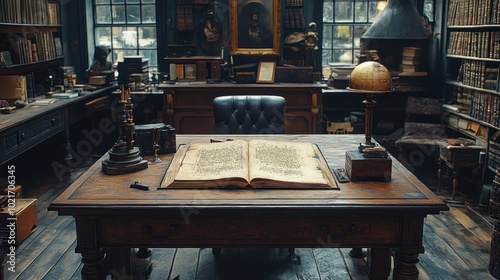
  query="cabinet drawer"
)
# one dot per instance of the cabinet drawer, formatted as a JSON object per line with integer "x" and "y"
{"x": 96, "y": 105}
{"x": 29, "y": 134}
{"x": 249, "y": 231}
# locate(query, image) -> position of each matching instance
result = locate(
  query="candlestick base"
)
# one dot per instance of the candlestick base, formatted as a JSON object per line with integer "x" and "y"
{"x": 123, "y": 161}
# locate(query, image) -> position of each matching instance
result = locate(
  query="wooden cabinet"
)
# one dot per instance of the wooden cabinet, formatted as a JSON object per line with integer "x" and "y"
{"x": 188, "y": 106}
{"x": 472, "y": 71}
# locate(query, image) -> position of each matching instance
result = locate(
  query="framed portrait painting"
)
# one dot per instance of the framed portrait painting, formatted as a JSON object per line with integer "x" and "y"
{"x": 254, "y": 27}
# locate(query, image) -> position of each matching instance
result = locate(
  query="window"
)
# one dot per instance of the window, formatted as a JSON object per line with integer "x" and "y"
{"x": 345, "y": 21}
{"x": 128, "y": 27}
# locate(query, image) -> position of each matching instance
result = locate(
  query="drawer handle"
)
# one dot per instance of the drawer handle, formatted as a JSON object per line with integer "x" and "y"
{"x": 53, "y": 121}
{"x": 350, "y": 229}
{"x": 149, "y": 230}
{"x": 23, "y": 135}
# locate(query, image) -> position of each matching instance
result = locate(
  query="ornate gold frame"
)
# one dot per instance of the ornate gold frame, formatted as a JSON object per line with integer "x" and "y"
{"x": 270, "y": 8}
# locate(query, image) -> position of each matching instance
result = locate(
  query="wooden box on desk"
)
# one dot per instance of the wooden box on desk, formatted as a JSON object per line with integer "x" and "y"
{"x": 26, "y": 222}
{"x": 360, "y": 168}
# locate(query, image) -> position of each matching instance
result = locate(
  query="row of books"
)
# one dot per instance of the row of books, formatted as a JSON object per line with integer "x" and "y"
{"x": 29, "y": 12}
{"x": 494, "y": 155}
{"x": 199, "y": 71}
{"x": 184, "y": 15}
{"x": 485, "y": 107}
{"x": 410, "y": 62}
{"x": 473, "y": 12}
{"x": 476, "y": 44}
{"x": 293, "y": 3}
{"x": 472, "y": 73}
{"x": 36, "y": 47}
{"x": 294, "y": 18}
{"x": 462, "y": 98}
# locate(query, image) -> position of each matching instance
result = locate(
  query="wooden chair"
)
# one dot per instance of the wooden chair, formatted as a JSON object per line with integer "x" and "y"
{"x": 423, "y": 129}
{"x": 249, "y": 114}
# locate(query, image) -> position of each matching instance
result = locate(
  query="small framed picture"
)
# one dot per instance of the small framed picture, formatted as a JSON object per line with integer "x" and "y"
{"x": 266, "y": 71}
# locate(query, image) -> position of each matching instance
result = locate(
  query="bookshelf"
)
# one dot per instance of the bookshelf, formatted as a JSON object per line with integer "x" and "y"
{"x": 30, "y": 42}
{"x": 294, "y": 27}
{"x": 473, "y": 74}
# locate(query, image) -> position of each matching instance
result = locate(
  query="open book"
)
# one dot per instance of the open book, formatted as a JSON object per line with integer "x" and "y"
{"x": 255, "y": 163}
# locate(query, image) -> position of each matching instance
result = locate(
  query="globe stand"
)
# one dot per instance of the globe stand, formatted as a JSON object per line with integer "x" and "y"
{"x": 369, "y": 104}
{"x": 123, "y": 156}
{"x": 370, "y": 162}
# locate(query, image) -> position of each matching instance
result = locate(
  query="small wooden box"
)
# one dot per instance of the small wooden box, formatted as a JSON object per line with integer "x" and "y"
{"x": 26, "y": 222}
{"x": 18, "y": 191}
{"x": 360, "y": 168}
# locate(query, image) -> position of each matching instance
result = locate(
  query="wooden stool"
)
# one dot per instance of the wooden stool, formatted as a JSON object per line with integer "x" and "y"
{"x": 455, "y": 158}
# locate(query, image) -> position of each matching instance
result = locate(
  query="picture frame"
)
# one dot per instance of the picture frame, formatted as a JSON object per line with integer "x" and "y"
{"x": 266, "y": 72}
{"x": 254, "y": 27}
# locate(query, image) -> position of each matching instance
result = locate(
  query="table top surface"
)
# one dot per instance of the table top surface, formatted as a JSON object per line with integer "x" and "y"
{"x": 96, "y": 193}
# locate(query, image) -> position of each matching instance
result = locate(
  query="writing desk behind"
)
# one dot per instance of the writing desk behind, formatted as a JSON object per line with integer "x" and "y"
{"x": 378, "y": 215}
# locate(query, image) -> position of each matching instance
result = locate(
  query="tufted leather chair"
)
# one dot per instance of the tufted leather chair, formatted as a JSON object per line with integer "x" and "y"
{"x": 252, "y": 114}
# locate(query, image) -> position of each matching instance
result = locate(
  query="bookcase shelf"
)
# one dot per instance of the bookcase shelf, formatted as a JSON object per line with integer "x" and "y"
{"x": 30, "y": 45}
{"x": 473, "y": 74}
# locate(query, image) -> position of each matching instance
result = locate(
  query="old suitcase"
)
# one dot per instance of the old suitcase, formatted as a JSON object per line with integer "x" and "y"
{"x": 21, "y": 224}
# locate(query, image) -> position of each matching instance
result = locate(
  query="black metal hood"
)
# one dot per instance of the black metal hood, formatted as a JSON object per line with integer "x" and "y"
{"x": 399, "y": 19}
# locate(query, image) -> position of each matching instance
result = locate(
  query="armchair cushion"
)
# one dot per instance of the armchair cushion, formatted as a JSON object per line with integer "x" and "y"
{"x": 253, "y": 114}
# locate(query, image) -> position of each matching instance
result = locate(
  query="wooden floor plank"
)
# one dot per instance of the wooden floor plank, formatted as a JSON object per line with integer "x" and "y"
{"x": 162, "y": 260}
{"x": 185, "y": 264}
{"x": 468, "y": 223}
{"x": 66, "y": 266}
{"x": 355, "y": 266}
{"x": 51, "y": 253}
{"x": 35, "y": 248}
{"x": 206, "y": 266}
{"x": 330, "y": 263}
{"x": 306, "y": 268}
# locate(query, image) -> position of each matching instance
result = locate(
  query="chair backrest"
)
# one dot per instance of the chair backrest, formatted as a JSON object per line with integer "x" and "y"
{"x": 249, "y": 114}
{"x": 424, "y": 116}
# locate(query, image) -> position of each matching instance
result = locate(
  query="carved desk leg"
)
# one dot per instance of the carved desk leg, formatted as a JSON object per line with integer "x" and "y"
{"x": 87, "y": 245}
{"x": 379, "y": 263}
{"x": 93, "y": 264}
{"x": 405, "y": 266}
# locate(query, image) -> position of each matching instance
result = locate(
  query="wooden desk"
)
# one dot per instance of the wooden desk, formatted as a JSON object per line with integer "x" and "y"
{"x": 377, "y": 215}
{"x": 188, "y": 105}
{"x": 33, "y": 124}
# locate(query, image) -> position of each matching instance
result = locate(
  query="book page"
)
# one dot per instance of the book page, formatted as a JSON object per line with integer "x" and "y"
{"x": 285, "y": 162}
{"x": 210, "y": 161}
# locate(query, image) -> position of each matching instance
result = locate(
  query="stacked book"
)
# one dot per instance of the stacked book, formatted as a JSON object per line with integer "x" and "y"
{"x": 410, "y": 62}
{"x": 135, "y": 66}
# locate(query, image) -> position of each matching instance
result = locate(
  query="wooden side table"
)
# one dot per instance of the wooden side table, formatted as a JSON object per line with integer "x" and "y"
{"x": 455, "y": 158}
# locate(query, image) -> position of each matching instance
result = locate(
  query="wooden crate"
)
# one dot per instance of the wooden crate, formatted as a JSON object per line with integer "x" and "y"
{"x": 26, "y": 220}
{"x": 360, "y": 168}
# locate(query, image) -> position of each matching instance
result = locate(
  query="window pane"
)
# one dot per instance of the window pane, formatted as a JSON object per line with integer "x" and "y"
{"x": 328, "y": 11}
{"x": 124, "y": 37}
{"x": 151, "y": 55}
{"x": 103, "y": 36}
{"x": 133, "y": 14}
{"x": 327, "y": 36}
{"x": 342, "y": 55}
{"x": 148, "y": 1}
{"x": 147, "y": 37}
{"x": 429, "y": 10}
{"x": 374, "y": 10}
{"x": 103, "y": 14}
{"x": 342, "y": 36}
{"x": 133, "y": 1}
{"x": 117, "y": 1}
{"x": 102, "y": 1}
{"x": 343, "y": 11}
{"x": 361, "y": 11}
{"x": 118, "y": 14}
{"x": 148, "y": 14}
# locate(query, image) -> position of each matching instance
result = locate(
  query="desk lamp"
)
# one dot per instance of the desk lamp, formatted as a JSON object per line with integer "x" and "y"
{"x": 371, "y": 161}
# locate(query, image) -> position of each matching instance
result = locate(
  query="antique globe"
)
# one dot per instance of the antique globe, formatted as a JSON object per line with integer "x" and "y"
{"x": 370, "y": 77}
